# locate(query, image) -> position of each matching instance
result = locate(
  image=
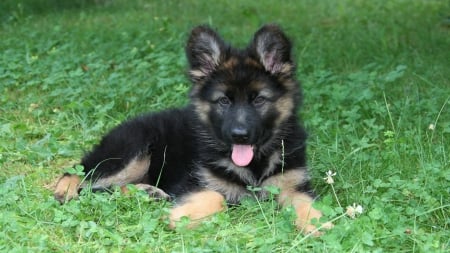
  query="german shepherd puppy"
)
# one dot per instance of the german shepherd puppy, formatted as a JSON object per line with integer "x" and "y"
{"x": 239, "y": 130}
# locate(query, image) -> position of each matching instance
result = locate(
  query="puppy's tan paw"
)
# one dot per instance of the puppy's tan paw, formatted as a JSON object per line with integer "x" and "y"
{"x": 196, "y": 207}
{"x": 306, "y": 213}
{"x": 314, "y": 230}
{"x": 67, "y": 188}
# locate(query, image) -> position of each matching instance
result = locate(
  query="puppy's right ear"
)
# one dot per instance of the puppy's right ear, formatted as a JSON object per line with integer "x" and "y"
{"x": 273, "y": 49}
{"x": 205, "y": 51}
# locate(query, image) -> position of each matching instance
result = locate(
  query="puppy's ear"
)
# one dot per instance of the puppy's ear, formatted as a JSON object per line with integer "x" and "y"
{"x": 205, "y": 50}
{"x": 273, "y": 50}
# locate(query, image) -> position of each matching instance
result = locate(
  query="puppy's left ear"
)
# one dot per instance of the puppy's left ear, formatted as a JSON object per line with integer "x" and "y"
{"x": 205, "y": 51}
{"x": 273, "y": 50}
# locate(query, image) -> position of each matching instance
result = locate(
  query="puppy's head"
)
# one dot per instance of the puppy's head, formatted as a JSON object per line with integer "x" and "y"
{"x": 242, "y": 96}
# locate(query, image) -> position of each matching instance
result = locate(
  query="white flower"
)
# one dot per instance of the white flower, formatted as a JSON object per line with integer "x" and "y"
{"x": 431, "y": 127}
{"x": 354, "y": 210}
{"x": 329, "y": 179}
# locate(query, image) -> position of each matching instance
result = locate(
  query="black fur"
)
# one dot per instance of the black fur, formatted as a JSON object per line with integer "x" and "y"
{"x": 167, "y": 136}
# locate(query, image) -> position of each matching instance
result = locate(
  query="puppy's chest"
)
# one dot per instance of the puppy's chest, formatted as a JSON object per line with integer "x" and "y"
{"x": 234, "y": 181}
{"x": 253, "y": 175}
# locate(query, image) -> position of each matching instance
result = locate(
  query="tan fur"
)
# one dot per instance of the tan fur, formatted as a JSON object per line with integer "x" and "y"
{"x": 286, "y": 68}
{"x": 202, "y": 109}
{"x": 197, "y": 206}
{"x": 219, "y": 92}
{"x": 274, "y": 160}
{"x": 262, "y": 89}
{"x": 284, "y": 106}
{"x": 302, "y": 202}
{"x": 287, "y": 180}
{"x": 132, "y": 173}
{"x": 124, "y": 189}
{"x": 232, "y": 192}
{"x": 253, "y": 63}
{"x": 230, "y": 63}
{"x": 197, "y": 73}
{"x": 67, "y": 188}
{"x": 288, "y": 82}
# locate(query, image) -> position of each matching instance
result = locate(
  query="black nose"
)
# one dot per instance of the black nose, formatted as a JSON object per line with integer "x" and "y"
{"x": 239, "y": 135}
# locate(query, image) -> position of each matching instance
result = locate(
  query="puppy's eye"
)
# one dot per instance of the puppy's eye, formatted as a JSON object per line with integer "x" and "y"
{"x": 224, "y": 101}
{"x": 259, "y": 100}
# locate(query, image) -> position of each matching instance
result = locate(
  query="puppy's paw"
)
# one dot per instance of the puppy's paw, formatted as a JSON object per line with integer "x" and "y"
{"x": 154, "y": 192}
{"x": 308, "y": 219}
{"x": 67, "y": 188}
{"x": 314, "y": 230}
{"x": 196, "y": 207}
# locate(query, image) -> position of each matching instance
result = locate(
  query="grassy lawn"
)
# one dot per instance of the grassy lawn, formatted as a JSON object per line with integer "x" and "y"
{"x": 376, "y": 80}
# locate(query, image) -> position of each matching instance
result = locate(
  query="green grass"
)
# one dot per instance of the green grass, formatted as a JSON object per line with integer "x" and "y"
{"x": 375, "y": 76}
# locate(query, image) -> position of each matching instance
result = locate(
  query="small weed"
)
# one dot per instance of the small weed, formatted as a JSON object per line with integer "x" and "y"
{"x": 76, "y": 170}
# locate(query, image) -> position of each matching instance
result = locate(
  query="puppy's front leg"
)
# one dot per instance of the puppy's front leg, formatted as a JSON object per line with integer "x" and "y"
{"x": 302, "y": 203}
{"x": 197, "y": 206}
{"x": 290, "y": 184}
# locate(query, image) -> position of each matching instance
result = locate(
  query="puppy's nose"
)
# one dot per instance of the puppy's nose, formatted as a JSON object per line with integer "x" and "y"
{"x": 239, "y": 135}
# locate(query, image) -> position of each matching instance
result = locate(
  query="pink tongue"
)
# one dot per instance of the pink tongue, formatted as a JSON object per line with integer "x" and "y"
{"x": 242, "y": 155}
